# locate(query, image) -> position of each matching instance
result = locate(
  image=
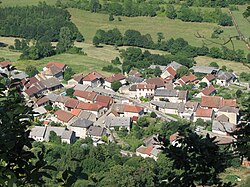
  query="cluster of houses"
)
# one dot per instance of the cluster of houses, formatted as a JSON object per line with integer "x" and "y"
{"x": 95, "y": 109}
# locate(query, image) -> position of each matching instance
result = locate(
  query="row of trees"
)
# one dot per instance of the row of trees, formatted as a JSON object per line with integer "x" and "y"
{"x": 215, "y": 3}
{"x": 179, "y": 46}
{"x": 123, "y": 8}
{"x": 187, "y": 14}
{"x": 36, "y": 22}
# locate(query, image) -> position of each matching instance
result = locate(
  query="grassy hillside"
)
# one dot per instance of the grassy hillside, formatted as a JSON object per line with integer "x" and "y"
{"x": 25, "y": 2}
{"x": 88, "y": 23}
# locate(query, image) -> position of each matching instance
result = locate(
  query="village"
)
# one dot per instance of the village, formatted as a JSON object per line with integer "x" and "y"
{"x": 94, "y": 110}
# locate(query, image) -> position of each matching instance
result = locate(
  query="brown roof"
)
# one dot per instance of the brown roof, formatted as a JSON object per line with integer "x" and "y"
{"x": 63, "y": 115}
{"x": 134, "y": 73}
{"x": 5, "y": 64}
{"x": 192, "y": 105}
{"x": 230, "y": 102}
{"x": 42, "y": 101}
{"x": 211, "y": 101}
{"x": 52, "y": 70}
{"x": 57, "y": 64}
{"x": 103, "y": 99}
{"x": 71, "y": 103}
{"x": 89, "y": 106}
{"x": 201, "y": 112}
{"x": 188, "y": 78}
{"x": 31, "y": 91}
{"x": 76, "y": 112}
{"x": 223, "y": 118}
{"x": 158, "y": 81}
{"x": 210, "y": 77}
{"x": 171, "y": 71}
{"x": 78, "y": 78}
{"x": 115, "y": 77}
{"x": 145, "y": 86}
{"x": 131, "y": 108}
{"x": 208, "y": 90}
{"x": 85, "y": 94}
{"x": 62, "y": 99}
{"x": 90, "y": 77}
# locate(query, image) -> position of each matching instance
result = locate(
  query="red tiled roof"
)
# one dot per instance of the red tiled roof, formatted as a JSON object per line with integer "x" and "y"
{"x": 102, "y": 104}
{"x": 158, "y": 81}
{"x": 208, "y": 90}
{"x": 133, "y": 109}
{"x": 99, "y": 75}
{"x": 42, "y": 101}
{"x": 71, "y": 103}
{"x": 230, "y": 102}
{"x": 148, "y": 150}
{"x": 31, "y": 91}
{"x": 210, "y": 77}
{"x": 76, "y": 112}
{"x": 201, "y": 112}
{"x": 90, "y": 77}
{"x": 145, "y": 86}
{"x": 115, "y": 77}
{"x": 103, "y": 99}
{"x": 89, "y": 106}
{"x": 63, "y": 115}
{"x": 5, "y": 64}
{"x": 188, "y": 78}
{"x": 85, "y": 94}
{"x": 211, "y": 101}
{"x": 173, "y": 137}
{"x": 171, "y": 71}
{"x": 57, "y": 64}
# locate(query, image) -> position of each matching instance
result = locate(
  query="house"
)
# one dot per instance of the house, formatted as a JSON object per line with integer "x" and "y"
{"x": 189, "y": 110}
{"x": 162, "y": 68}
{"x": 71, "y": 104}
{"x": 187, "y": 79}
{"x": 225, "y": 78}
{"x": 87, "y": 115}
{"x": 28, "y": 82}
{"x": 96, "y": 133}
{"x": 39, "y": 111}
{"x": 94, "y": 108}
{"x": 37, "y": 133}
{"x": 59, "y": 65}
{"x": 168, "y": 107}
{"x": 222, "y": 127}
{"x": 210, "y": 90}
{"x": 174, "y": 96}
{"x": 77, "y": 79}
{"x": 85, "y": 96}
{"x": 116, "y": 77}
{"x": 204, "y": 114}
{"x": 216, "y": 102}
{"x": 19, "y": 75}
{"x": 52, "y": 84}
{"x": 52, "y": 97}
{"x": 133, "y": 111}
{"x": 134, "y": 79}
{"x": 169, "y": 72}
{"x": 53, "y": 71}
{"x": 42, "y": 102}
{"x": 151, "y": 148}
{"x": 94, "y": 79}
{"x": 134, "y": 73}
{"x": 230, "y": 112}
{"x": 157, "y": 81}
{"x": 104, "y": 101}
{"x": 174, "y": 65}
{"x": 80, "y": 127}
{"x": 121, "y": 122}
{"x": 209, "y": 79}
{"x": 204, "y": 70}
{"x": 60, "y": 102}
{"x": 145, "y": 90}
{"x": 42, "y": 133}
{"x": 63, "y": 117}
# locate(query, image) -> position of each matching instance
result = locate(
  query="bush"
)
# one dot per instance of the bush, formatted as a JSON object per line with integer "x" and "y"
{"x": 115, "y": 85}
{"x": 153, "y": 115}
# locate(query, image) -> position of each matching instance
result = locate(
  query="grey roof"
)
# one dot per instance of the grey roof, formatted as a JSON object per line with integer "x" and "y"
{"x": 162, "y": 68}
{"x": 40, "y": 110}
{"x": 226, "y": 75}
{"x": 204, "y": 69}
{"x": 229, "y": 109}
{"x": 102, "y": 91}
{"x": 133, "y": 87}
{"x": 51, "y": 82}
{"x": 96, "y": 131}
{"x": 62, "y": 99}
{"x": 135, "y": 79}
{"x": 223, "y": 126}
{"x": 174, "y": 65}
{"x": 38, "y": 131}
{"x": 20, "y": 75}
{"x": 117, "y": 121}
{"x": 166, "y": 93}
{"x": 83, "y": 123}
{"x": 151, "y": 141}
{"x": 168, "y": 105}
{"x": 58, "y": 130}
{"x": 67, "y": 134}
{"x": 81, "y": 87}
{"x": 87, "y": 115}
{"x": 52, "y": 97}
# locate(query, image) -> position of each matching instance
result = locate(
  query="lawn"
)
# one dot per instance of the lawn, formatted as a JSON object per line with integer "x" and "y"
{"x": 88, "y": 23}
{"x": 235, "y": 66}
